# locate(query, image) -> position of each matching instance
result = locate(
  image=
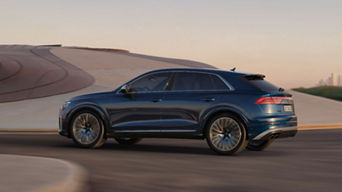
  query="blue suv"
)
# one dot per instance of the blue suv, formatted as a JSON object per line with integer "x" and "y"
{"x": 231, "y": 110}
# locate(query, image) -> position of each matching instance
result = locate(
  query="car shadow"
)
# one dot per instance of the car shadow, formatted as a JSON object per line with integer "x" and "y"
{"x": 158, "y": 148}
{"x": 43, "y": 143}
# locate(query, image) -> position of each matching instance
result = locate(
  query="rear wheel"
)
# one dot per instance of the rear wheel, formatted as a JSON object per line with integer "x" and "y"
{"x": 259, "y": 145}
{"x": 226, "y": 135}
{"x": 87, "y": 129}
{"x": 127, "y": 140}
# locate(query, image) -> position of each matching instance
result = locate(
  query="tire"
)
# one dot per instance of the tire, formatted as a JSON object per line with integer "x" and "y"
{"x": 127, "y": 140}
{"x": 87, "y": 129}
{"x": 259, "y": 146}
{"x": 226, "y": 134}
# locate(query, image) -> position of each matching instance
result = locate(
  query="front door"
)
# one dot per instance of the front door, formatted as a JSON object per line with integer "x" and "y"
{"x": 139, "y": 110}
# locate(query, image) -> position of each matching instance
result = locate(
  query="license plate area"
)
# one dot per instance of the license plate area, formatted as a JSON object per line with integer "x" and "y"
{"x": 288, "y": 108}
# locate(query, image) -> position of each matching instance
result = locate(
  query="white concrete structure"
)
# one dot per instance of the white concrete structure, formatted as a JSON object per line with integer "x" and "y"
{"x": 38, "y": 174}
{"x": 110, "y": 70}
{"x": 312, "y": 109}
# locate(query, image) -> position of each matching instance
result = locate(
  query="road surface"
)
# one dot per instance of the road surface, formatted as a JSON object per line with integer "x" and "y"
{"x": 312, "y": 161}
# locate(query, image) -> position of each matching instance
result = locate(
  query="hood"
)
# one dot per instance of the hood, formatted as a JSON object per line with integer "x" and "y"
{"x": 92, "y": 95}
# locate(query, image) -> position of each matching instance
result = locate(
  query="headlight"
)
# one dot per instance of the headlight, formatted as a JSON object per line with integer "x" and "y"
{"x": 65, "y": 105}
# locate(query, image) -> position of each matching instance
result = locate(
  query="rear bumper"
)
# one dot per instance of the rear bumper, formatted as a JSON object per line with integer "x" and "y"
{"x": 272, "y": 127}
{"x": 277, "y": 132}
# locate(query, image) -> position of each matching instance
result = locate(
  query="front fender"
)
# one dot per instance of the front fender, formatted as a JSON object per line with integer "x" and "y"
{"x": 90, "y": 106}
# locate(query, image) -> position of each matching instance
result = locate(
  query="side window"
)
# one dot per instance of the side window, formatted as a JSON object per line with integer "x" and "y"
{"x": 218, "y": 83}
{"x": 153, "y": 82}
{"x": 197, "y": 81}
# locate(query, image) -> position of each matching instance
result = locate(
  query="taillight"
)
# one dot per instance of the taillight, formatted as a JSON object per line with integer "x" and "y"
{"x": 274, "y": 100}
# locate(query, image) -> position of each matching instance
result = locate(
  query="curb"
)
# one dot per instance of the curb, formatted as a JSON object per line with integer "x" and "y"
{"x": 320, "y": 126}
{"x": 41, "y": 174}
{"x": 27, "y": 132}
{"x": 74, "y": 182}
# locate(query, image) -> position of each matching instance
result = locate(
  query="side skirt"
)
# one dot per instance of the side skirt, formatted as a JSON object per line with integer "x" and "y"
{"x": 184, "y": 134}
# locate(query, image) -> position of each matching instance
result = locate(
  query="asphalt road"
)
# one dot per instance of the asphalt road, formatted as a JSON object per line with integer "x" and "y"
{"x": 312, "y": 161}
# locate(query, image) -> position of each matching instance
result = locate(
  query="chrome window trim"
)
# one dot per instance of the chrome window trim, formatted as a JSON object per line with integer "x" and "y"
{"x": 229, "y": 86}
{"x": 152, "y": 73}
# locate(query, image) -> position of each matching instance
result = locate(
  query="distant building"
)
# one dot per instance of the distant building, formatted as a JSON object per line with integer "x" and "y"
{"x": 322, "y": 83}
{"x": 333, "y": 80}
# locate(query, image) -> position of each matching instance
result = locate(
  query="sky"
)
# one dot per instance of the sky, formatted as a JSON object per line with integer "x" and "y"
{"x": 294, "y": 43}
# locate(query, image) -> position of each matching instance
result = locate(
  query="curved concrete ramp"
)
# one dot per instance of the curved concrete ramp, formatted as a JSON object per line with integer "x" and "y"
{"x": 109, "y": 70}
{"x": 184, "y": 62}
{"x": 311, "y": 109}
{"x": 38, "y": 174}
{"x": 30, "y": 72}
{"x": 8, "y": 68}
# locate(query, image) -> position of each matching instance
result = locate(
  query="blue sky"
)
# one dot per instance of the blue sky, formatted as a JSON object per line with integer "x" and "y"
{"x": 295, "y": 43}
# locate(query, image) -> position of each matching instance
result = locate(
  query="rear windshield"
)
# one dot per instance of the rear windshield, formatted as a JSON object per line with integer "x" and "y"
{"x": 263, "y": 85}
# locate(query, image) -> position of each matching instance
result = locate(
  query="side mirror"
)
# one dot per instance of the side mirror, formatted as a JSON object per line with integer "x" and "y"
{"x": 124, "y": 89}
{"x": 127, "y": 91}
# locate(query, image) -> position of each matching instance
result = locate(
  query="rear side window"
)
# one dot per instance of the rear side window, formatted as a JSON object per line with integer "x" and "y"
{"x": 218, "y": 83}
{"x": 197, "y": 81}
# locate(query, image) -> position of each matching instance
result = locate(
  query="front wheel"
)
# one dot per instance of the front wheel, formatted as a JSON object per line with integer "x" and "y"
{"x": 226, "y": 135}
{"x": 87, "y": 129}
{"x": 259, "y": 145}
{"x": 127, "y": 140}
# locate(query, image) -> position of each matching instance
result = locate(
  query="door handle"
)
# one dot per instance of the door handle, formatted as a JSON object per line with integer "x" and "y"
{"x": 156, "y": 100}
{"x": 208, "y": 99}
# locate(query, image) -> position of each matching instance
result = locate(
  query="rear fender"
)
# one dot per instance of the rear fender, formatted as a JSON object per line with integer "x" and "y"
{"x": 223, "y": 109}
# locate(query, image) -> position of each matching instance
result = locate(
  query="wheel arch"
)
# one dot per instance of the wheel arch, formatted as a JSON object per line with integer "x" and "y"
{"x": 225, "y": 109}
{"x": 89, "y": 107}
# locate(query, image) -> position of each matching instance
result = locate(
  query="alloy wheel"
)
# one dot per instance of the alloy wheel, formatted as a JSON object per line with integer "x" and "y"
{"x": 225, "y": 134}
{"x": 86, "y": 128}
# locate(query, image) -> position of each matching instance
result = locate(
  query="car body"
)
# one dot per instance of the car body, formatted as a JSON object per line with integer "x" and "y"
{"x": 179, "y": 103}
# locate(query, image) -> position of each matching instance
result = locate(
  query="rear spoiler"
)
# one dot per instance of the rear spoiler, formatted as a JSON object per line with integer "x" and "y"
{"x": 275, "y": 94}
{"x": 254, "y": 77}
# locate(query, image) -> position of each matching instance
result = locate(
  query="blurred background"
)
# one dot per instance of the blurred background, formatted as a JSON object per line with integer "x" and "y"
{"x": 294, "y": 43}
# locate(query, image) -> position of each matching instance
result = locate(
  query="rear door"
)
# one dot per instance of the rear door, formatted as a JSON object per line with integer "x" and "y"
{"x": 190, "y": 94}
